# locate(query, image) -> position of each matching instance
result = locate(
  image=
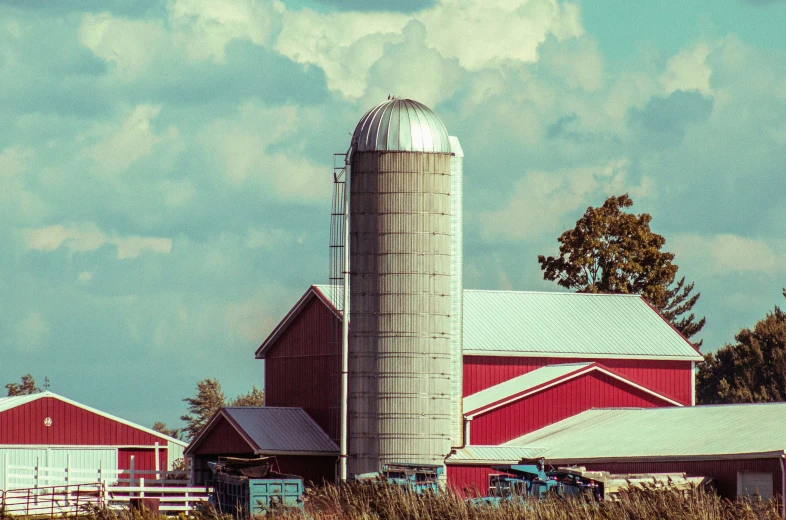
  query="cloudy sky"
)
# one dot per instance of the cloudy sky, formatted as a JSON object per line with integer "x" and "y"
{"x": 165, "y": 165}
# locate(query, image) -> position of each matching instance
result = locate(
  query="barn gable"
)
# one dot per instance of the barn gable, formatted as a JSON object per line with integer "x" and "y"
{"x": 542, "y": 379}
{"x": 548, "y": 395}
{"x": 666, "y": 377}
{"x": 322, "y": 293}
{"x": 46, "y": 418}
{"x": 302, "y": 361}
{"x": 300, "y": 446}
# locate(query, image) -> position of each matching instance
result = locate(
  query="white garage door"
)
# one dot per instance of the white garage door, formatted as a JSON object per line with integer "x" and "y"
{"x": 749, "y": 482}
{"x": 56, "y": 459}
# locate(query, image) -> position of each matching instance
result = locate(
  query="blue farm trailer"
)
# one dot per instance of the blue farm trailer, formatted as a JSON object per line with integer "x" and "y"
{"x": 246, "y": 488}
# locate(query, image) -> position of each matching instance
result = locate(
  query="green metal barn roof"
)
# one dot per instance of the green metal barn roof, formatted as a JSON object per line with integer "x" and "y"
{"x": 494, "y": 454}
{"x": 690, "y": 431}
{"x": 568, "y": 324}
{"x": 550, "y": 324}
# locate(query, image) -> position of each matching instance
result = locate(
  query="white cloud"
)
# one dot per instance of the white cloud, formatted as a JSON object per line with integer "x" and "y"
{"x": 85, "y": 276}
{"x": 204, "y": 27}
{"x": 132, "y": 247}
{"x": 688, "y": 70}
{"x": 727, "y": 253}
{"x": 433, "y": 79}
{"x": 482, "y": 33}
{"x": 478, "y": 34}
{"x": 266, "y": 238}
{"x": 242, "y": 145}
{"x": 541, "y": 201}
{"x": 577, "y": 62}
{"x": 17, "y": 201}
{"x": 123, "y": 144}
{"x": 178, "y": 193}
{"x": 131, "y": 45}
{"x": 32, "y": 331}
{"x": 83, "y": 238}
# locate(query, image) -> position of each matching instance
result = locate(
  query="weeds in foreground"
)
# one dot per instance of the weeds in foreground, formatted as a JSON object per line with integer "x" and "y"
{"x": 350, "y": 502}
{"x": 392, "y": 503}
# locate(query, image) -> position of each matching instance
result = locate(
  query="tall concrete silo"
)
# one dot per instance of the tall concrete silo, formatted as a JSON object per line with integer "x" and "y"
{"x": 400, "y": 405}
{"x": 457, "y": 291}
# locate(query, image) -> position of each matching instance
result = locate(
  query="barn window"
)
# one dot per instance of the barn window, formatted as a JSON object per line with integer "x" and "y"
{"x": 750, "y": 482}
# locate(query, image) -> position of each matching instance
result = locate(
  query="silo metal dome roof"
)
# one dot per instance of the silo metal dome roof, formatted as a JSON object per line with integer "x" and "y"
{"x": 401, "y": 125}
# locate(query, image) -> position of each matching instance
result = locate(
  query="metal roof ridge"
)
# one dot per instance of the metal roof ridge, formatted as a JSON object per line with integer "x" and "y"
{"x": 263, "y": 408}
{"x": 576, "y": 353}
{"x": 728, "y": 405}
{"x": 511, "y": 291}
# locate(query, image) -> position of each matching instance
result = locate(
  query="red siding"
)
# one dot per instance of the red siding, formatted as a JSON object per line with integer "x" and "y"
{"x": 469, "y": 481}
{"x": 303, "y": 367}
{"x": 592, "y": 390}
{"x": 144, "y": 460}
{"x": 671, "y": 378}
{"x": 223, "y": 439}
{"x": 723, "y": 472}
{"x": 71, "y": 425}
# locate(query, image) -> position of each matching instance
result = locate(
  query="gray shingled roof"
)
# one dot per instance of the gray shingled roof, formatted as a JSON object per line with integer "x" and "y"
{"x": 278, "y": 430}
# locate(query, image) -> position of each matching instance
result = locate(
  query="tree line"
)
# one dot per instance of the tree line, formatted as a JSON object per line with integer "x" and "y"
{"x": 612, "y": 251}
{"x": 608, "y": 251}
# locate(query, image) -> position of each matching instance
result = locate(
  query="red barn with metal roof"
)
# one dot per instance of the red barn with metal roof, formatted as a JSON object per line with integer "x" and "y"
{"x": 51, "y": 430}
{"x": 530, "y": 360}
{"x": 716, "y": 441}
{"x": 300, "y": 446}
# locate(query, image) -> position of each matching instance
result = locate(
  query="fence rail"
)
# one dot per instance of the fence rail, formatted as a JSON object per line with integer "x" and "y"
{"x": 52, "y": 500}
{"x": 80, "y": 498}
{"x": 171, "y": 499}
{"x": 32, "y": 489}
{"x": 22, "y": 477}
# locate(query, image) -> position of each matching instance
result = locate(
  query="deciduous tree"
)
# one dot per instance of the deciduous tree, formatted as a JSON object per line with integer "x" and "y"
{"x": 612, "y": 251}
{"x": 751, "y": 370}
{"x": 26, "y": 387}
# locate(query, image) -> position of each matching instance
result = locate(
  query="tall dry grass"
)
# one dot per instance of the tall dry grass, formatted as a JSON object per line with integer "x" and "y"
{"x": 350, "y": 502}
{"x": 392, "y": 503}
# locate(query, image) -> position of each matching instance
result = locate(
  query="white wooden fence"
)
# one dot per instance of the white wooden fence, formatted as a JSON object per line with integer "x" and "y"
{"x": 120, "y": 485}
{"x": 18, "y": 477}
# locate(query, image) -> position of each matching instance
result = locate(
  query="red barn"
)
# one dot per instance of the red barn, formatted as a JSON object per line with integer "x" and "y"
{"x": 300, "y": 446}
{"x": 530, "y": 360}
{"x": 742, "y": 448}
{"x": 48, "y": 430}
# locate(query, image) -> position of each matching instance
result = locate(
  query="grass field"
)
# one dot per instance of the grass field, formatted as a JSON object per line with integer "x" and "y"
{"x": 391, "y": 503}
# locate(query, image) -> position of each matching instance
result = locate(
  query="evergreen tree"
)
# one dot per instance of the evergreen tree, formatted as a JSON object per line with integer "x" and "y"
{"x": 161, "y": 427}
{"x": 612, "y": 251}
{"x": 26, "y": 387}
{"x": 752, "y": 370}
{"x": 208, "y": 399}
{"x": 254, "y": 398}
